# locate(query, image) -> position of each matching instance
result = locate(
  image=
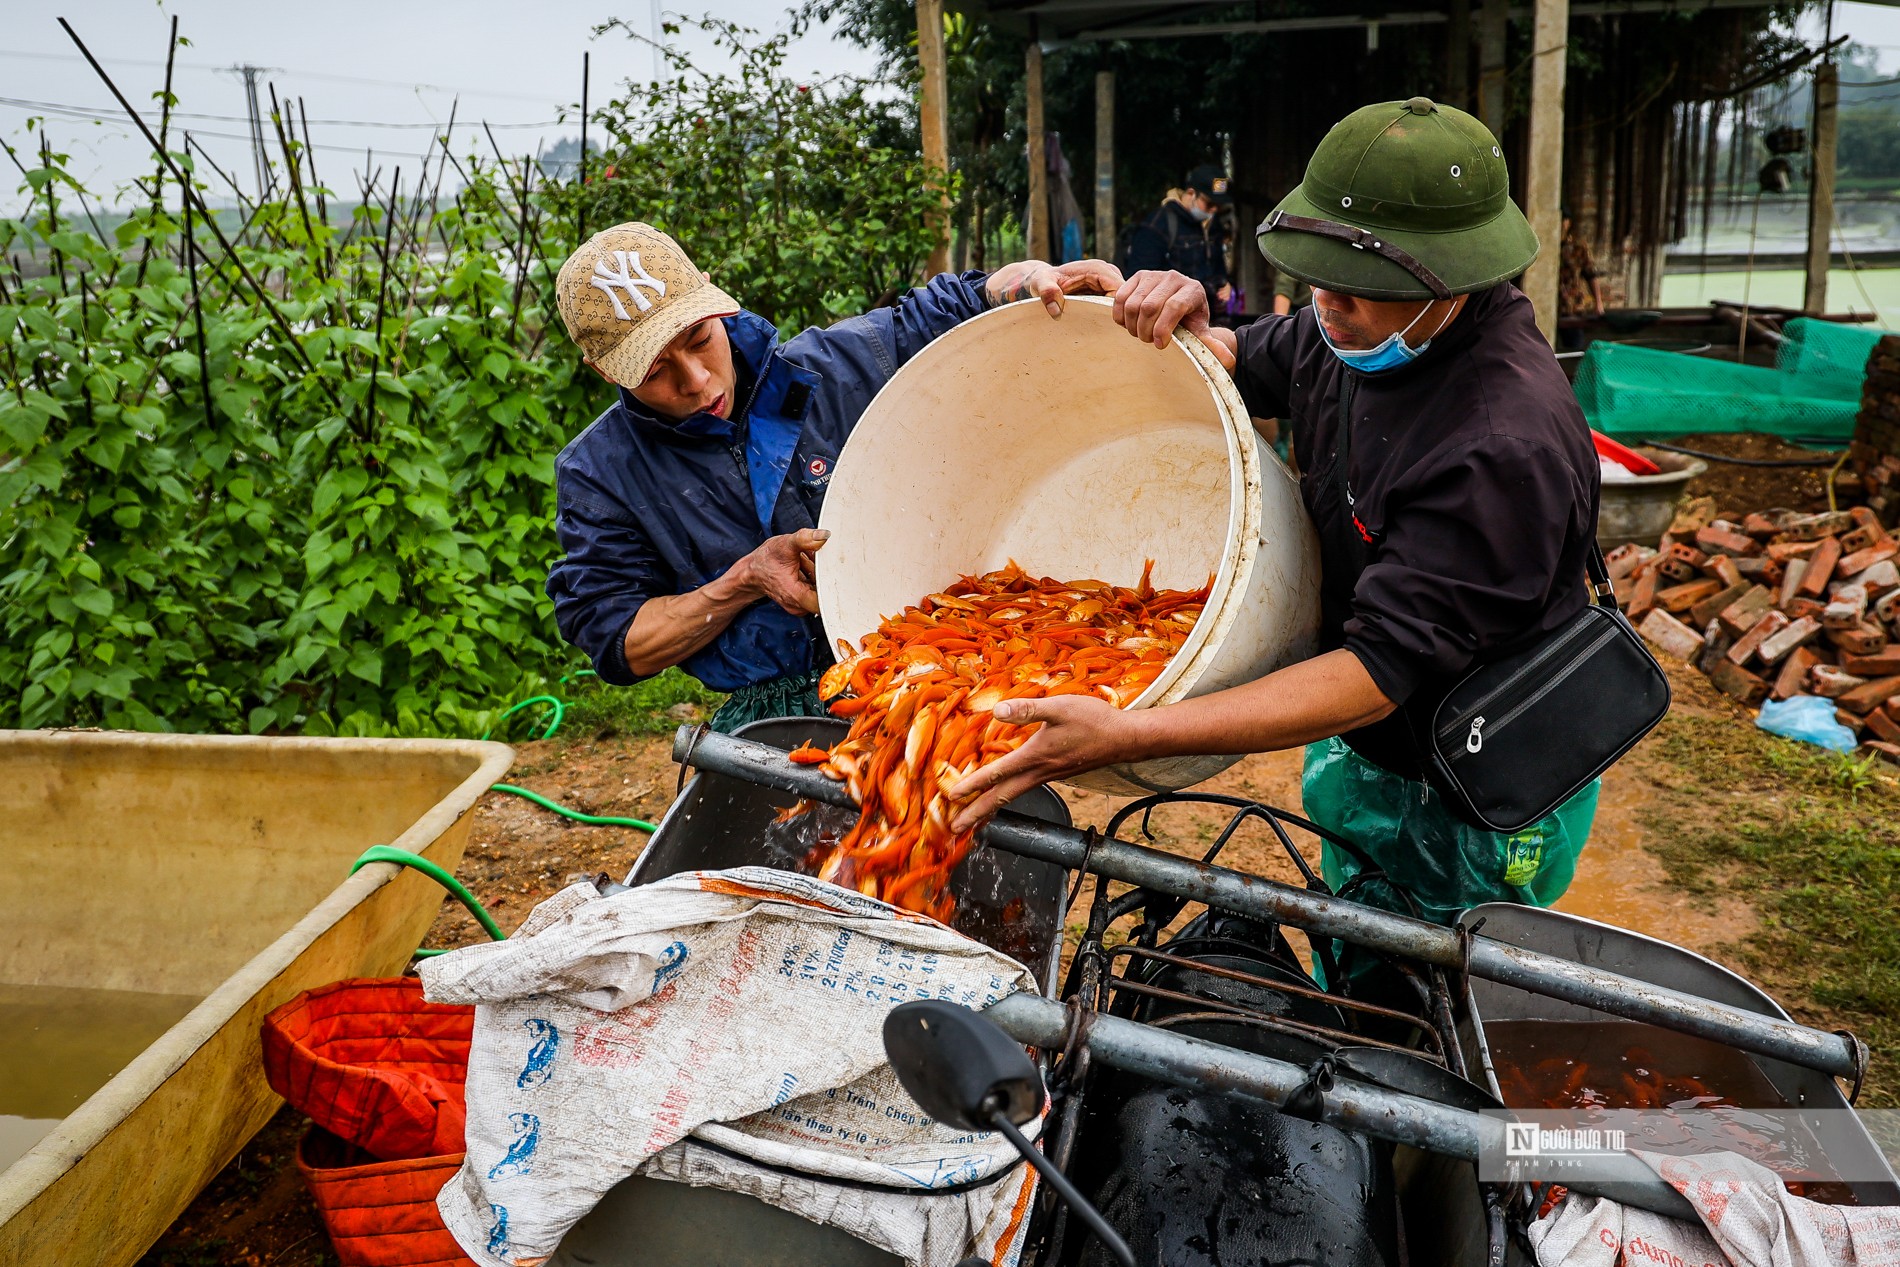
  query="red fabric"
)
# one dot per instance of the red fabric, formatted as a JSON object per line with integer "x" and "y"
{"x": 379, "y": 1213}
{"x": 371, "y": 1061}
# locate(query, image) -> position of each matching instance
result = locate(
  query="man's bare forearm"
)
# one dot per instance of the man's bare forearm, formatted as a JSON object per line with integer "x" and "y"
{"x": 1314, "y": 699}
{"x": 668, "y": 629}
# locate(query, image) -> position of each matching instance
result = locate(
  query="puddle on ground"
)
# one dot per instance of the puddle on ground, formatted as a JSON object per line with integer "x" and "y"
{"x": 1620, "y": 882}
{"x": 1616, "y": 877}
{"x": 64, "y": 1044}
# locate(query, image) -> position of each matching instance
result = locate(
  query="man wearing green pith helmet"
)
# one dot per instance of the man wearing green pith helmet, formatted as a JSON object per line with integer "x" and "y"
{"x": 1453, "y": 482}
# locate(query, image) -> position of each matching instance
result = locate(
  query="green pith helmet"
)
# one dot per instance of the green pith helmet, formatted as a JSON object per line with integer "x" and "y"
{"x": 1402, "y": 200}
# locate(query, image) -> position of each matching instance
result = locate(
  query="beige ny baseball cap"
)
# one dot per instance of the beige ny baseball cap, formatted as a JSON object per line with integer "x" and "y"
{"x": 627, "y": 293}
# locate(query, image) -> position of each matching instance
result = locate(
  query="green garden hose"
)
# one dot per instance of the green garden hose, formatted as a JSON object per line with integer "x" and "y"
{"x": 556, "y": 711}
{"x": 638, "y": 824}
{"x": 403, "y": 858}
{"x": 556, "y": 706}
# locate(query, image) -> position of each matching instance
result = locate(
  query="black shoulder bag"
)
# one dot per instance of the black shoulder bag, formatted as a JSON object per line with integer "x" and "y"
{"x": 1522, "y": 733}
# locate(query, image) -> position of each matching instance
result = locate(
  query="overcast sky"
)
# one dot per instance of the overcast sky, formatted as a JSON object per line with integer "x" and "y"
{"x": 390, "y": 62}
{"x": 393, "y": 62}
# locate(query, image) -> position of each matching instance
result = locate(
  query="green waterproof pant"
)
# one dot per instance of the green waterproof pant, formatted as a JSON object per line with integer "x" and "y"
{"x": 795, "y": 695}
{"x": 1445, "y": 864}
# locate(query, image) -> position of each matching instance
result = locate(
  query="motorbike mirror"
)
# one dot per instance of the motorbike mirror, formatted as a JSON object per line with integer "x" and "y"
{"x": 968, "y": 1074}
{"x": 959, "y": 1067}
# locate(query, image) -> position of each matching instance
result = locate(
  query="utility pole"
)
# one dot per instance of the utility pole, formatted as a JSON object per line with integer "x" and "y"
{"x": 1827, "y": 96}
{"x": 1493, "y": 72}
{"x": 1105, "y": 163}
{"x": 1544, "y": 170}
{"x": 659, "y": 44}
{"x": 260, "y": 157}
{"x": 1458, "y": 55}
{"x": 1036, "y": 220}
{"x": 933, "y": 122}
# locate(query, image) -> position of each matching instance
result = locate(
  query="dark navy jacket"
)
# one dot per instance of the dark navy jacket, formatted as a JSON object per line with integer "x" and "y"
{"x": 648, "y": 507}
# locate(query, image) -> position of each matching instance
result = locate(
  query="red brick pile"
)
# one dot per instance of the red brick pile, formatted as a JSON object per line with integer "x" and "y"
{"x": 1779, "y": 604}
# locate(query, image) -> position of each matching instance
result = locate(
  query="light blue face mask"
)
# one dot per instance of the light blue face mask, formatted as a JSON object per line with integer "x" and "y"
{"x": 1390, "y": 354}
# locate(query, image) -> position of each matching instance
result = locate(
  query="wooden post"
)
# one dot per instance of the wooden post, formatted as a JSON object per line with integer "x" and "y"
{"x": 933, "y": 121}
{"x": 1036, "y": 222}
{"x": 1493, "y": 75}
{"x": 1104, "y": 163}
{"x": 1827, "y": 95}
{"x": 1458, "y": 54}
{"x": 1544, "y": 174}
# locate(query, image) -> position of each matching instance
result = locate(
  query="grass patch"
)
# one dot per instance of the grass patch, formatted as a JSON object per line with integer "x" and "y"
{"x": 594, "y": 708}
{"x": 1811, "y": 840}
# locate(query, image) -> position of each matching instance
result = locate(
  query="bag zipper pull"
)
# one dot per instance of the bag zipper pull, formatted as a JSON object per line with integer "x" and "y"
{"x": 1475, "y": 740}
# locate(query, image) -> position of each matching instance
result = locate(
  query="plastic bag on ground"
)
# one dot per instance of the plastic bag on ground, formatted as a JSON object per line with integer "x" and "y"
{"x": 745, "y": 1008}
{"x": 1808, "y": 718}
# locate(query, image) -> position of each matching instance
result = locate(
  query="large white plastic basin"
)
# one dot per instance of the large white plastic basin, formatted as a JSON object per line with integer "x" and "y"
{"x": 1078, "y": 451}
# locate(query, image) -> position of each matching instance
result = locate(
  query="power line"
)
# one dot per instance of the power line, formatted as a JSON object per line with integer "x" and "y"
{"x": 303, "y": 74}
{"x": 95, "y": 111}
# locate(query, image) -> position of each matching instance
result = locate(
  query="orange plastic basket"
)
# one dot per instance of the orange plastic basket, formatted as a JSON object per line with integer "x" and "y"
{"x": 372, "y": 1061}
{"x": 379, "y": 1213}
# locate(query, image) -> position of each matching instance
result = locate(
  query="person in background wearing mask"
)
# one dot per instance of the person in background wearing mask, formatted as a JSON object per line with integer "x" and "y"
{"x": 1183, "y": 236}
{"x": 1450, "y": 474}
{"x": 688, "y": 510}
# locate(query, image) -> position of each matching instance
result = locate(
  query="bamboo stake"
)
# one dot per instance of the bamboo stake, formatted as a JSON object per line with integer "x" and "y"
{"x": 198, "y": 317}
{"x": 164, "y": 124}
{"x": 277, "y": 317}
{"x": 382, "y": 296}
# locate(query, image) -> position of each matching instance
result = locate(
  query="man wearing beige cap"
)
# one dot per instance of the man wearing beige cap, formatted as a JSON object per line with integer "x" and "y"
{"x": 688, "y": 510}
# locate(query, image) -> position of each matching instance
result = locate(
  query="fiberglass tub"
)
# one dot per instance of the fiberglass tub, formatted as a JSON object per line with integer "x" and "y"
{"x": 159, "y": 895}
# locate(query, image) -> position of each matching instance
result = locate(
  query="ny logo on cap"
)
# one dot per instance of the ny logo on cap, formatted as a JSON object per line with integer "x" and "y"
{"x": 631, "y": 277}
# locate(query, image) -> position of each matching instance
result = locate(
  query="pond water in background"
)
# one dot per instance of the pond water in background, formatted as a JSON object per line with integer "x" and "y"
{"x": 1876, "y": 289}
{"x": 59, "y": 1045}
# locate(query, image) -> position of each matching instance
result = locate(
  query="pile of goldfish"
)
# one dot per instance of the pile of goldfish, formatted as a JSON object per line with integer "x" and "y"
{"x": 921, "y": 689}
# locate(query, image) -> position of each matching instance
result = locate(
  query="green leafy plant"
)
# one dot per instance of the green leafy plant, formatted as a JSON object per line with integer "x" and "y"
{"x": 291, "y": 468}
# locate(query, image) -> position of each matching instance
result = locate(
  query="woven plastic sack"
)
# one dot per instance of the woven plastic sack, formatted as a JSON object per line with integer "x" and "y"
{"x": 379, "y": 1213}
{"x": 373, "y": 1062}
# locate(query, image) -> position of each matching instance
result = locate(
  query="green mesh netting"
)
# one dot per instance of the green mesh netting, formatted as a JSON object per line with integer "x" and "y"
{"x": 1812, "y": 393}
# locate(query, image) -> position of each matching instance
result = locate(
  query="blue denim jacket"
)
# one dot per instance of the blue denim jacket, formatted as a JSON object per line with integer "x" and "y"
{"x": 648, "y": 507}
